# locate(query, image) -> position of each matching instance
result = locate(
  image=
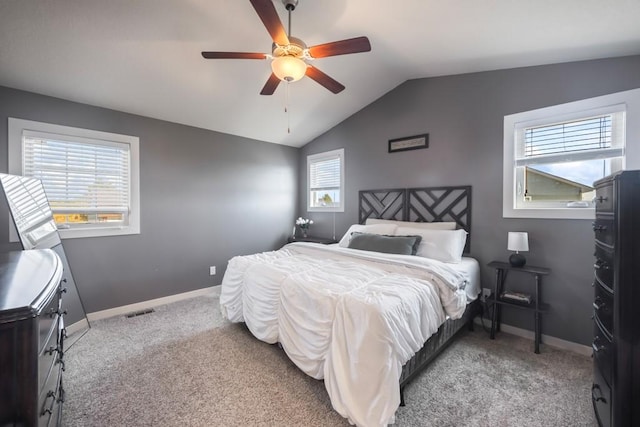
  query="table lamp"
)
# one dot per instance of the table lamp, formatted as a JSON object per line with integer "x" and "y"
{"x": 518, "y": 241}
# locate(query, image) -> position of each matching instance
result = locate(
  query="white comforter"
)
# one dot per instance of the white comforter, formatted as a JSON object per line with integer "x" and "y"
{"x": 348, "y": 316}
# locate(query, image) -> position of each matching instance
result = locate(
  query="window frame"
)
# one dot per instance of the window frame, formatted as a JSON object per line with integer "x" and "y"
{"x": 549, "y": 115}
{"x": 327, "y": 155}
{"x": 16, "y": 129}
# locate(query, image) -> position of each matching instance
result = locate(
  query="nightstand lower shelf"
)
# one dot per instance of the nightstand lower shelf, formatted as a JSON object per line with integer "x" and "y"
{"x": 542, "y": 307}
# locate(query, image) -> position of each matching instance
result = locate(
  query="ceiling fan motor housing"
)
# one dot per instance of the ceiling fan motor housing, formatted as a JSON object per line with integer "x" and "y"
{"x": 296, "y": 47}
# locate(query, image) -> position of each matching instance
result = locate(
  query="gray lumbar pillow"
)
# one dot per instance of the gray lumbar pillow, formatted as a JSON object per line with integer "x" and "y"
{"x": 403, "y": 245}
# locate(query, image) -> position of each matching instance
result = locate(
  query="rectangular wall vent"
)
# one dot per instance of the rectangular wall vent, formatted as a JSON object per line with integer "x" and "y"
{"x": 139, "y": 313}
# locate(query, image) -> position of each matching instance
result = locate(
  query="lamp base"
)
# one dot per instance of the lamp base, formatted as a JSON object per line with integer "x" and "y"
{"x": 517, "y": 260}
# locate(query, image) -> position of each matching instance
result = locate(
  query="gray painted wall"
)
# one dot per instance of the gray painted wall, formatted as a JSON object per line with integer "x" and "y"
{"x": 205, "y": 197}
{"x": 463, "y": 115}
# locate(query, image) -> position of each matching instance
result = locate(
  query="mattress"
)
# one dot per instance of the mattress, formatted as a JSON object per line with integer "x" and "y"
{"x": 470, "y": 268}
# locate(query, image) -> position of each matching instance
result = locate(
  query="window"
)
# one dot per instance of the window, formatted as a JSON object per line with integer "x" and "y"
{"x": 325, "y": 180}
{"x": 90, "y": 177}
{"x": 553, "y": 155}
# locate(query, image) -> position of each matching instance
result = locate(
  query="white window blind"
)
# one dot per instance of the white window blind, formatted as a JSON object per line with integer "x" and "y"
{"x": 325, "y": 180}
{"x": 588, "y": 138}
{"x": 80, "y": 175}
{"x": 325, "y": 174}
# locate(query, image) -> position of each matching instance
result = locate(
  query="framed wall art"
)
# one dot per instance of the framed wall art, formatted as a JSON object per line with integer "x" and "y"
{"x": 406, "y": 143}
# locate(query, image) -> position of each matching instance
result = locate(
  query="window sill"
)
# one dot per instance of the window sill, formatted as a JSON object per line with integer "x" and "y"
{"x": 550, "y": 213}
{"x": 317, "y": 209}
{"x": 79, "y": 233}
{"x": 82, "y": 233}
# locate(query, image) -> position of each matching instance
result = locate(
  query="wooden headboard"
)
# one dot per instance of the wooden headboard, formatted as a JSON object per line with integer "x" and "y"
{"x": 426, "y": 204}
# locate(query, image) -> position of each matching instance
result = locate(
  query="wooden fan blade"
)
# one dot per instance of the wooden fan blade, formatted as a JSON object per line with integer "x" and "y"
{"x": 267, "y": 13}
{"x": 271, "y": 85}
{"x": 342, "y": 47}
{"x": 324, "y": 79}
{"x": 233, "y": 55}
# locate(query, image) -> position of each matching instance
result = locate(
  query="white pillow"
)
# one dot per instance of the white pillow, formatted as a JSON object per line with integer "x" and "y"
{"x": 442, "y": 245}
{"x": 421, "y": 225}
{"x": 388, "y": 229}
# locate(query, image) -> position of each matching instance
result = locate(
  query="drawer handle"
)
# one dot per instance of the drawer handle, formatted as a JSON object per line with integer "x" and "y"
{"x": 598, "y": 227}
{"x": 601, "y": 265}
{"x": 52, "y": 350}
{"x": 593, "y": 394}
{"x": 598, "y": 304}
{"x": 597, "y": 348}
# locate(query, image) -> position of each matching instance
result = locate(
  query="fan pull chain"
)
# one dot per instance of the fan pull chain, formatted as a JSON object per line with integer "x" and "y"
{"x": 286, "y": 107}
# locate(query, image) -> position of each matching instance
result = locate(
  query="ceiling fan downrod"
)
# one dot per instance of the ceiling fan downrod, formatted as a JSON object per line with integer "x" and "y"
{"x": 290, "y": 5}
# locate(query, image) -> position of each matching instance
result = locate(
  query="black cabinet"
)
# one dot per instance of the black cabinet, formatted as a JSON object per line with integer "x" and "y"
{"x": 31, "y": 338}
{"x": 616, "y": 318}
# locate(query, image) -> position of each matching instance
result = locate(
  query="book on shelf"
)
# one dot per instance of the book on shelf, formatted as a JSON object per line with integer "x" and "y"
{"x": 516, "y": 297}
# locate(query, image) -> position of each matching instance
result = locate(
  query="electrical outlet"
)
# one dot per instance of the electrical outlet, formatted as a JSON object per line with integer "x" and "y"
{"x": 486, "y": 292}
{"x": 212, "y": 270}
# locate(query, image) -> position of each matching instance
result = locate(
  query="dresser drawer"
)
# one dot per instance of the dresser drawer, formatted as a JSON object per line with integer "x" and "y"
{"x": 604, "y": 231}
{"x": 603, "y": 272}
{"x": 603, "y": 265}
{"x": 604, "y": 198}
{"x": 48, "y": 320}
{"x": 47, "y": 356}
{"x": 51, "y": 379}
{"x": 602, "y": 353}
{"x": 603, "y": 309}
{"x": 50, "y": 396}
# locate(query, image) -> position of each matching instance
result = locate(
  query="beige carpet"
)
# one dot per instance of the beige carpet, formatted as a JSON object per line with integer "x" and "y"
{"x": 185, "y": 366}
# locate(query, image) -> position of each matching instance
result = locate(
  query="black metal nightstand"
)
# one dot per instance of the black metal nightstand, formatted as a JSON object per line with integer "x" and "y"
{"x": 535, "y": 305}
{"x": 312, "y": 239}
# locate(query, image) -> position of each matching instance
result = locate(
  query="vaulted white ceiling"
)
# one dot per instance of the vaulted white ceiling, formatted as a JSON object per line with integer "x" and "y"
{"x": 143, "y": 56}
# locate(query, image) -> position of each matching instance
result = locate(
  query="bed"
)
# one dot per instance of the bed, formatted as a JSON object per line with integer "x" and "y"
{"x": 364, "y": 320}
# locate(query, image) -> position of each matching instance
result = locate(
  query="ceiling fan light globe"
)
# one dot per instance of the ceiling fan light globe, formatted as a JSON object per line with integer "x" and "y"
{"x": 288, "y": 68}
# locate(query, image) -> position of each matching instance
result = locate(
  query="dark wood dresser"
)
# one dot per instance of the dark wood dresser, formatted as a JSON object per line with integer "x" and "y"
{"x": 616, "y": 342}
{"x": 31, "y": 338}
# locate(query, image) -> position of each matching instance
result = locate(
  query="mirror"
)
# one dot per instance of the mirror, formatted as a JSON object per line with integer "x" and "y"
{"x": 33, "y": 220}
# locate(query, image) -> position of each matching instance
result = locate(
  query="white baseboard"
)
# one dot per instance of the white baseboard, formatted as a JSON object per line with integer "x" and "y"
{"x": 145, "y": 305}
{"x": 545, "y": 339}
{"x": 78, "y": 326}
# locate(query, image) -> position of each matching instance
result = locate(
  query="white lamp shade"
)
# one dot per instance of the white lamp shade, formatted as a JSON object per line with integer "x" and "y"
{"x": 288, "y": 68}
{"x": 518, "y": 241}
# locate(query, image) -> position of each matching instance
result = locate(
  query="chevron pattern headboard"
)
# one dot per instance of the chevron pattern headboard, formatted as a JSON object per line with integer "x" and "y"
{"x": 426, "y": 204}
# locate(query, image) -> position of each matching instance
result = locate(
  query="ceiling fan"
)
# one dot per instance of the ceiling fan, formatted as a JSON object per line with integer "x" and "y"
{"x": 289, "y": 54}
